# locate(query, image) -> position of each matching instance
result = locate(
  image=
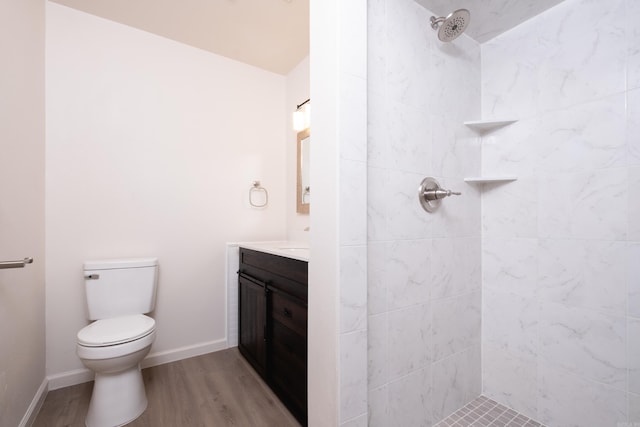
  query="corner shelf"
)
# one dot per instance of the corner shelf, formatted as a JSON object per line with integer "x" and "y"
{"x": 487, "y": 179}
{"x": 483, "y": 126}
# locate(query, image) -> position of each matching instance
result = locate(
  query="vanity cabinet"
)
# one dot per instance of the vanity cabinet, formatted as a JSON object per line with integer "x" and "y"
{"x": 273, "y": 324}
{"x": 252, "y": 300}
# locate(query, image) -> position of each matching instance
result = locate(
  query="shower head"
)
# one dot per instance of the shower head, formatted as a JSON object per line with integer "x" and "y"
{"x": 451, "y": 26}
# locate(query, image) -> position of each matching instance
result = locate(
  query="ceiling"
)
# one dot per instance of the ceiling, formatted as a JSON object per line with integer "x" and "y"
{"x": 269, "y": 34}
{"x": 274, "y": 34}
{"x": 490, "y": 18}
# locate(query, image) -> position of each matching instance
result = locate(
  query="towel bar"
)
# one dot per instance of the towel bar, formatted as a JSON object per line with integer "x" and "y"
{"x": 15, "y": 264}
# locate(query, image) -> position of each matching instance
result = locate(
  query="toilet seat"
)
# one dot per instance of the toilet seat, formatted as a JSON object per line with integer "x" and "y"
{"x": 115, "y": 337}
{"x": 116, "y": 330}
{"x": 116, "y": 350}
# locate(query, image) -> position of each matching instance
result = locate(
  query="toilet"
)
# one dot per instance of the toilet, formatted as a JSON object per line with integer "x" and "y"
{"x": 119, "y": 294}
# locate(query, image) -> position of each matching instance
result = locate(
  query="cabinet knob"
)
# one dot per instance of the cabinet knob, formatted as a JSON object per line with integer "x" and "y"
{"x": 287, "y": 313}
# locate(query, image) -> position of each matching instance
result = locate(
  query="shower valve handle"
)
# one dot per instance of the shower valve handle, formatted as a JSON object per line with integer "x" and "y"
{"x": 439, "y": 193}
{"x": 430, "y": 194}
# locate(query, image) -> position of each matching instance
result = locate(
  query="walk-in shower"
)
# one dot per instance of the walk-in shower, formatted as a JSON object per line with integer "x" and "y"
{"x": 452, "y": 26}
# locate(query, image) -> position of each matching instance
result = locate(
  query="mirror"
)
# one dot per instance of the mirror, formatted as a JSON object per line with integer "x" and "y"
{"x": 303, "y": 189}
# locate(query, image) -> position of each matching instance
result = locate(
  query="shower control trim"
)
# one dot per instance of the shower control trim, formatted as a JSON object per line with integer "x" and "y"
{"x": 431, "y": 194}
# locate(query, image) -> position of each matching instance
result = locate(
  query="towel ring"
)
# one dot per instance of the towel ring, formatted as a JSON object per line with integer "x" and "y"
{"x": 254, "y": 191}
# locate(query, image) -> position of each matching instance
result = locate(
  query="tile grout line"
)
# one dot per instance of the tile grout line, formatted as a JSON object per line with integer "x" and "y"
{"x": 476, "y": 414}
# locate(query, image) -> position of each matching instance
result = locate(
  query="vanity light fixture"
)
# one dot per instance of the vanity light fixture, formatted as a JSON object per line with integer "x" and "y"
{"x": 302, "y": 116}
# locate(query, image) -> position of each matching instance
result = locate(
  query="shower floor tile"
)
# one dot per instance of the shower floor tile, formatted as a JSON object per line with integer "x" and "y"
{"x": 484, "y": 412}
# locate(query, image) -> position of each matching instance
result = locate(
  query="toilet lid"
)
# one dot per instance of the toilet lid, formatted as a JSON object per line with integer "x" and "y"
{"x": 116, "y": 330}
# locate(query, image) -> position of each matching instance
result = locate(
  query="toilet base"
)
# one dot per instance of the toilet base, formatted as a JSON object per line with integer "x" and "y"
{"x": 117, "y": 398}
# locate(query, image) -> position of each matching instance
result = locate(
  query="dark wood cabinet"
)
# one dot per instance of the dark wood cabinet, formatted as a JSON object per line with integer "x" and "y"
{"x": 252, "y": 336}
{"x": 273, "y": 324}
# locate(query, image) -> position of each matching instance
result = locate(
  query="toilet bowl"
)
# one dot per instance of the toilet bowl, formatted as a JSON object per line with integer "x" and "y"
{"x": 113, "y": 349}
{"x": 118, "y": 292}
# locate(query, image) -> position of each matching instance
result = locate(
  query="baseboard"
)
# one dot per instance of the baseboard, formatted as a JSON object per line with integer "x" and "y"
{"x": 160, "y": 358}
{"x": 79, "y": 376}
{"x": 69, "y": 378}
{"x": 32, "y": 411}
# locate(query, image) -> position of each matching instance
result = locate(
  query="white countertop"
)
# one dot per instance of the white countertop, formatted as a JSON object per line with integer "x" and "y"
{"x": 288, "y": 249}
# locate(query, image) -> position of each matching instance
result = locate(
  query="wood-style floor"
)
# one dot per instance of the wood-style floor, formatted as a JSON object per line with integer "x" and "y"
{"x": 216, "y": 389}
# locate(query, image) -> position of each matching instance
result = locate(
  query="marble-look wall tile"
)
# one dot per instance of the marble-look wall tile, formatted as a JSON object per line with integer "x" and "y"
{"x": 376, "y": 47}
{"x": 409, "y": 336}
{"x": 379, "y": 407}
{"x": 589, "y": 274}
{"x": 400, "y": 136}
{"x": 510, "y": 380}
{"x": 409, "y": 138}
{"x": 405, "y": 217}
{"x": 581, "y": 138}
{"x": 353, "y": 375}
{"x": 633, "y": 333}
{"x": 455, "y": 266}
{"x": 510, "y": 209}
{"x": 458, "y": 216}
{"x": 410, "y": 399}
{"x": 570, "y": 54}
{"x": 353, "y": 288}
{"x": 633, "y": 44}
{"x": 563, "y": 237}
{"x": 584, "y": 342}
{"x": 569, "y": 400}
{"x": 634, "y": 408}
{"x": 510, "y": 323}
{"x": 378, "y": 196}
{"x": 456, "y": 93}
{"x": 408, "y": 42}
{"x": 586, "y": 55}
{"x": 456, "y": 324}
{"x": 353, "y": 117}
{"x": 353, "y": 202}
{"x": 633, "y": 125}
{"x": 378, "y": 132}
{"x": 456, "y": 381}
{"x": 360, "y": 421}
{"x": 377, "y": 277}
{"x": 634, "y": 203}
{"x": 509, "y": 73}
{"x": 456, "y": 148}
{"x": 378, "y": 350}
{"x": 587, "y": 205}
{"x": 510, "y": 265}
{"x": 419, "y": 89}
{"x": 511, "y": 150}
{"x": 634, "y": 279}
{"x": 408, "y": 269}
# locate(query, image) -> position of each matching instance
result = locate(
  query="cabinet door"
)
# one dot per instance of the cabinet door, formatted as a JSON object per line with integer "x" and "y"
{"x": 288, "y": 352}
{"x": 252, "y": 307}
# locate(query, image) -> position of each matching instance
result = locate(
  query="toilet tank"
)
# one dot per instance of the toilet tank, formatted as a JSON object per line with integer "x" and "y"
{"x": 120, "y": 287}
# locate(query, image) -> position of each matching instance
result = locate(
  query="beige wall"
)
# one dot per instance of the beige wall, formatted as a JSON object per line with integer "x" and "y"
{"x": 22, "y": 327}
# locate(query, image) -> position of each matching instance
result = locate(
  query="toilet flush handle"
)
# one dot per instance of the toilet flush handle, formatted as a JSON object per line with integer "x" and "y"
{"x": 92, "y": 276}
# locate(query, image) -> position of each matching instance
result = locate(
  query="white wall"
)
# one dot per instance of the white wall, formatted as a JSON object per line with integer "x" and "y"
{"x": 22, "y": 291}
{"x": 561, "y": 315}
{"x": 152, "y": 147}
{"x": 323, "y": 349}
{"x": 337, "y": 269}
{"x": 297, "y": 92}
{"x": 423, "y": 269}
